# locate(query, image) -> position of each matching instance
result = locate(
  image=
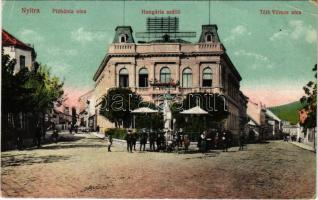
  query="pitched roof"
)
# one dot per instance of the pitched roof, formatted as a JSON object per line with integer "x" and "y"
{"x": 10, "y": 40}
{"x": 272, "y": 115}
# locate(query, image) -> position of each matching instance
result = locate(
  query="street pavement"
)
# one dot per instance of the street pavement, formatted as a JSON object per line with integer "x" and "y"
{"x": 80, "y": 166}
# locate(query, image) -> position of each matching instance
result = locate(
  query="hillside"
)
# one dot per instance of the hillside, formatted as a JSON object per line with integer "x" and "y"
{"x": 288, "y": 112}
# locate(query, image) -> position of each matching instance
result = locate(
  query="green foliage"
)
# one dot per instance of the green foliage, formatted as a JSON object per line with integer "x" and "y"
{"x": 28, "y": 91}
{"x": 288, "y": 112}
{"x": 46, "y": 89}
{"x": 15, "y": 97}
{"x": 153, "y": 120}
{"x": 309, "y": 101}
{"x": 117, "y": 104}
{"x": 118, "y": 133}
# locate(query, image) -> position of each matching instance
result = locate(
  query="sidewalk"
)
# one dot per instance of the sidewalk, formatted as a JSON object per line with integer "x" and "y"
{"x": 99, "y": 135}
{"x": 304, "y": 146}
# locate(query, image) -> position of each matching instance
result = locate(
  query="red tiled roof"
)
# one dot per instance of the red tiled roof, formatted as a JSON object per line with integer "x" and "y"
{"x": 10, "y": 40}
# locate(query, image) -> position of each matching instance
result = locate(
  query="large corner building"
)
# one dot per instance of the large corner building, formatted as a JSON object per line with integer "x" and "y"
{"x": 198, "y": 67}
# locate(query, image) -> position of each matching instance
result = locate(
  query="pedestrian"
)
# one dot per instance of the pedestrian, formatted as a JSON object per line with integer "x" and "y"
{"x": 134, "y": 140}
{"x": 186, "y": 142}
{"x": 242, "y": 141}
{"x": 110, "y": 142}
{"x": 152, "y": 139}
{"x": 38, "y": 134}
{"x": 203, "y": 142}
{"x": 19, "y": 139}
{"x": 143, "y": 139}
{"x": 129, "y": 140}
{"x": 224, "y": 141}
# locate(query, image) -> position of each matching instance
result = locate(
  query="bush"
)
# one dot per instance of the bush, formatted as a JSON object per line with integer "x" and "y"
{"x": 118, "y": 133}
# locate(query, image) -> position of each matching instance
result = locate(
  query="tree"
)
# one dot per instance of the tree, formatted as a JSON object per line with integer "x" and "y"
{"x": 153, "y": 120}
{"x": 117, "y": 105}
{"x": 309, "y": 101}
{"x": 27, "y": 92}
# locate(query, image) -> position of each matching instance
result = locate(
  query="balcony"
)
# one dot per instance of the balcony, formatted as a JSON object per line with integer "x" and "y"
{"x": 162, "y": 48}
{"x": 148, "y": 91}
{"x": 120, "y": 48}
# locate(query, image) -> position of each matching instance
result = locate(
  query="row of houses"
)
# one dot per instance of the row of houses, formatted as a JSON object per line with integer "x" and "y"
{"x": 263, "y": 123}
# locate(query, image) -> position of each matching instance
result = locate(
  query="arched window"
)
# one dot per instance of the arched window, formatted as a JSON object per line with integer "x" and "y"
{"x": 123, "y": 78}
{"x": 208, "y": 37}
{"x": 165, "y": 75}
{"x": 122, "y": 38}
{"x": 187, "y": 78}
{"x": 207, "y": 77}
{"x": 143, "y": 77}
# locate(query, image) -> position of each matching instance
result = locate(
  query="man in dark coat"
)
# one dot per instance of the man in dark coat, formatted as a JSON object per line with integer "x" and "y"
{"x": 143, "y": 139}
{"x": 242, "y": 141}
{"x": 110, "y": 142}
{"x": 129, "y": 140}
{"x": 224, "y": 138}
{"x": 152, "y": 139}
{"x": 38, "y": 134}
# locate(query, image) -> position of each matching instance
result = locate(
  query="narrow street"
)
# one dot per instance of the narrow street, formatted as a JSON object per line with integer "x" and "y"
{"x": 83, "y": 168}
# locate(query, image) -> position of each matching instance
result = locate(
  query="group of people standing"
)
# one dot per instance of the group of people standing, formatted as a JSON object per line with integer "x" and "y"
{"x": 213, "y": 139}
{"x": 209, "y": 139}
{"x": 156, "y": 140}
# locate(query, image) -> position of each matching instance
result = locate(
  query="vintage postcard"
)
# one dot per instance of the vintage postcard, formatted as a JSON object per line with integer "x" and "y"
{"x": 159, "y": 99}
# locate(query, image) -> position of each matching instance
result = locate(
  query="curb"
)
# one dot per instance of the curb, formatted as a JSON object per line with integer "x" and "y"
{"x": 304, "y": 146}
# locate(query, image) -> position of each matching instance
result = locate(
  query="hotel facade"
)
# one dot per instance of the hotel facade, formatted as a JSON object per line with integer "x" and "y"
{"x": 194, "y": 67}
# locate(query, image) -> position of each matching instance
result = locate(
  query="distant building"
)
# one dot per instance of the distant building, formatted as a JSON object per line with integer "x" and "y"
{"x": 61, "y": 117}
{"x": 291, "y": 129}
{"x": 23, "y": 53}
{"x": 265, "y": 122}
{"x": 274, "y": 125}
{"x": 87, "y": 116}
{"x": 198, "y": 67}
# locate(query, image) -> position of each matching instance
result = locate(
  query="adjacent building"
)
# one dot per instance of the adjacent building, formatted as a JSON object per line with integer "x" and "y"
{"x": 203, "y": 66}
{"x": 86, "y": 110}
{"x": 23, "y": 53}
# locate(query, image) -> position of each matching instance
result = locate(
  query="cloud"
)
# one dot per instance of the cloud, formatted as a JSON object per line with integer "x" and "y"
{"x": 296, "y": 30}
{"x": 236, "y": 32}
{"x": 59, "y": 67}
{"x": 311, "y": 36}
{"x": 56, "y": 51}
{"x": 258, "y": 59}
{"x": 83, "y": 36}
{"x": 31, "y": 36}
{"x": 278, "y": 35}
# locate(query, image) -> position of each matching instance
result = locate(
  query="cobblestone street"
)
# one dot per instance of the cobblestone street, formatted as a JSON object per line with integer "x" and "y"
{"x": 84, "y": 168}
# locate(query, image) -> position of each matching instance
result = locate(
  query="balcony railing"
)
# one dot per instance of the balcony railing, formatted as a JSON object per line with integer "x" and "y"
{"x": 122, "y": 48}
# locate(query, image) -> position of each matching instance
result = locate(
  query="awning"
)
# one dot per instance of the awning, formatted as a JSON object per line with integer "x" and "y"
{"x": 144, "y": 110}
{"x": 194, "y": 111}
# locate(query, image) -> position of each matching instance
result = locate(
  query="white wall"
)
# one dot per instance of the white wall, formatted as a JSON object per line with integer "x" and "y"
{"x": 15, "y": 53}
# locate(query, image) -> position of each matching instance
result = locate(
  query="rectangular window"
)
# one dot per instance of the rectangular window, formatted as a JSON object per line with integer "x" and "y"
{"x": 165, "y": 78}
{"x": 207, "y": 83}
{"x": 187, "y": 80}
{"x": 123, "y": 81}
{"x": 143, "y": 80}
{"x": 22, "y": 62}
